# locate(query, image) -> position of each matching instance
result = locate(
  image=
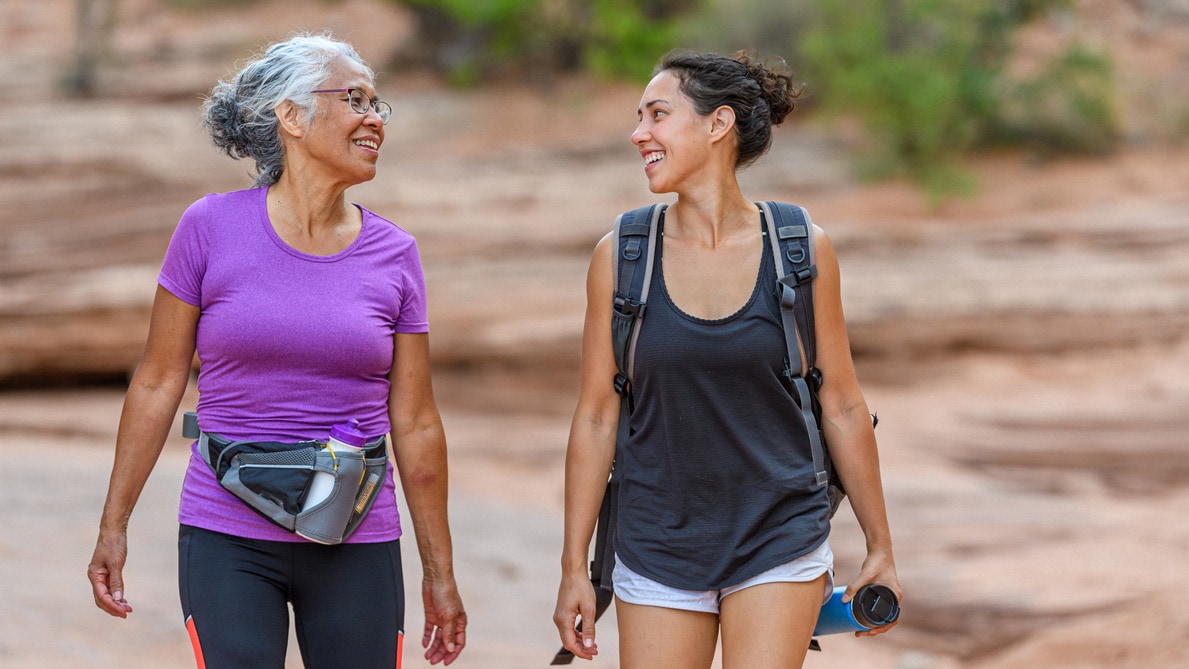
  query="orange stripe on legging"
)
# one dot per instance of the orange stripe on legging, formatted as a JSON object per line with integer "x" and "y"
{"x": 400, "y": 646}
{"x": 190, "y": 627}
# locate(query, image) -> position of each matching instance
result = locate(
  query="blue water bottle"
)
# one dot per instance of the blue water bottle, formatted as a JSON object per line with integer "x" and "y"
{"x": 872, "y": 606}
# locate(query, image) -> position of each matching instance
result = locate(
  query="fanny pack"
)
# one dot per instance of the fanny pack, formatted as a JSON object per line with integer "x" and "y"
{"x": 274, "y": 479}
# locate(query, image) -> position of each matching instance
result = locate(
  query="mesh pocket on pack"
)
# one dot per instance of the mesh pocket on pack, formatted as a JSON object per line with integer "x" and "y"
{"x": 281, "y": 477}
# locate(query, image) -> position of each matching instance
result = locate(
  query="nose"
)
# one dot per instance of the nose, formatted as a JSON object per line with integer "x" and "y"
{"x": 640, "y": 135}
{"x": 372, "y": 118}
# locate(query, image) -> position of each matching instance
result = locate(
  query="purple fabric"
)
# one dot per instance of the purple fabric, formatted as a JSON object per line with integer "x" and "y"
{"x": 290, "y": 344}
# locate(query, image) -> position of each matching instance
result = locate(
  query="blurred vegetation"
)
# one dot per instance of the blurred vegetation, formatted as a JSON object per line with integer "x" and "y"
{"x": 467, "y": 40}
{"x": 1066, "y": 107}
{"x": 928, "y": 79}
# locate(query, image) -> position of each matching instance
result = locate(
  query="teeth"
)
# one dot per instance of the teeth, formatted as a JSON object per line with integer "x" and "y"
{"x": 367, "y": 143}
{"x": 653, "y": 157}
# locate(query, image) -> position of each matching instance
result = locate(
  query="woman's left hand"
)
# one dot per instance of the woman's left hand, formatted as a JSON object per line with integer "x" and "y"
{"x": 878, "y": 568}
{"x": 445, "y": 621}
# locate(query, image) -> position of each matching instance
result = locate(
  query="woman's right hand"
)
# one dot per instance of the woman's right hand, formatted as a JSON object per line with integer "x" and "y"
{"x": 576, "y": 598}
{"x": 590, "y": 452}
{"x": 106, "y": 573}
{"x": 154, "y": 395}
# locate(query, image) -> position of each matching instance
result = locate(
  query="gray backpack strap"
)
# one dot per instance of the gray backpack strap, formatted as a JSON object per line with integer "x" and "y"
{"x": 790, "y": 234}
{"x": 635, "y": 240}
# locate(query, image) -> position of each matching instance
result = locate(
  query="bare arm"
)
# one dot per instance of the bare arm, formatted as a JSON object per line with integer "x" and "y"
{"x": 149, "y": 409}
{"x": 589, "y": 455}
{"x": 419, "y": 447}
{"x": 846, "y": 423}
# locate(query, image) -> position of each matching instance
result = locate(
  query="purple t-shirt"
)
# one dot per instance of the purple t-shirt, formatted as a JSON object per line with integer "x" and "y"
{"x": 289, "y": 344}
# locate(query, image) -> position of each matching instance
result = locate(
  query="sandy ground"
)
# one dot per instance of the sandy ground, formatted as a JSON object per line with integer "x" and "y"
{"x": 1025, "y": 350}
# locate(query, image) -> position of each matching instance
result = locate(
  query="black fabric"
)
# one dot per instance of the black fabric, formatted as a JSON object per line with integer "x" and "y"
{"x": 718, "y": 482}
{"x": 348, "y": 600}
{"x": 286, "y": 486}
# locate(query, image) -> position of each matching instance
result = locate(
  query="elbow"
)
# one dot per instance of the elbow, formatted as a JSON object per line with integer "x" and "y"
{"x": 847, "y": 415}
{"x": 423, "y": 478}
{"x": 596, "y": 426}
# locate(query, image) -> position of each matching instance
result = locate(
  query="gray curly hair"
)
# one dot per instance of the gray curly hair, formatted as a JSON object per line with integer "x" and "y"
{"x": 239, "y": 110}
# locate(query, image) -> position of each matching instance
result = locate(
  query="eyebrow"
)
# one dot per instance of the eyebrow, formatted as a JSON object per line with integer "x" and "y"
{"x": 650, "y": 105}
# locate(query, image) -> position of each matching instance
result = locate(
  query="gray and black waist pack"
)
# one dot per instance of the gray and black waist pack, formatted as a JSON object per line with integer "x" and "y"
{"x": 274, "y": 479}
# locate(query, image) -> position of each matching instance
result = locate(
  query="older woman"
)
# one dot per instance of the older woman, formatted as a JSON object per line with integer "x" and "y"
{"x": 305, "y": 310}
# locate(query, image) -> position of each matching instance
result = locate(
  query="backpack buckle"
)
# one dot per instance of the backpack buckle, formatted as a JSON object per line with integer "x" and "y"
{"x": 623, "y": 386}
{"x": 627, "y": 307}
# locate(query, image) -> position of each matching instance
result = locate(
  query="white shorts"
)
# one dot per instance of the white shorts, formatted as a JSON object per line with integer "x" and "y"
{"x": 636, "y": 589}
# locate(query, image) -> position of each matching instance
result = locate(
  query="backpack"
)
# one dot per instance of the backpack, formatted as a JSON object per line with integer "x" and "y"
{"x": 790, "y": 232}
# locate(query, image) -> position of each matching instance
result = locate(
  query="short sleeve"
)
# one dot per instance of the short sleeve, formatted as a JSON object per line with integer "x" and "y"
{"x": 413, "y": 317}
{"x": 185, "y": 259}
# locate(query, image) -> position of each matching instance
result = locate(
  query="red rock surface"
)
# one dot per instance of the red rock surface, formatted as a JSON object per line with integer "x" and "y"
{"x": 1026, "y": 349}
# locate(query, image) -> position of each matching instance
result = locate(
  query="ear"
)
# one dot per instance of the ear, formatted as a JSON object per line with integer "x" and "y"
{"x": 290, "y": 119}
{"x": 722, "y": 123}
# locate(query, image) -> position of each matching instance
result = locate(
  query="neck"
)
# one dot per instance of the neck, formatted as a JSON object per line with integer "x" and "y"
{"x": 715, "y": 215}
{"x": 305, "y": 208}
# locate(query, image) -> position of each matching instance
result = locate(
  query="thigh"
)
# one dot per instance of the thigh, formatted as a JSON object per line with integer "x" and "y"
{"x": 769, "y": 626}
{"x": 233, "y": 599}
{"x": 348, "y": 605}
{"x": 654, "y": 637}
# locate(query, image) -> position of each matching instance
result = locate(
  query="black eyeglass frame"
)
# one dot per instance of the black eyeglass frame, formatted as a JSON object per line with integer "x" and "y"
{"x": 383, "y": 109}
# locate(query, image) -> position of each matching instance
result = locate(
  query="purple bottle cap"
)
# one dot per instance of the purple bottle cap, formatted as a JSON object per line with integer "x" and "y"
{"x": 349, "y": 434}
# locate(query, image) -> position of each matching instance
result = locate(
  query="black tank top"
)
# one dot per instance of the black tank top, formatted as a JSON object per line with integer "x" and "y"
{"x": 718, "y": 481}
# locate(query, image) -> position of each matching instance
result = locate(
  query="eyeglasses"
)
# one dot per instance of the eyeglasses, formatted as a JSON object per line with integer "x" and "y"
{"x": 361, "y": 102}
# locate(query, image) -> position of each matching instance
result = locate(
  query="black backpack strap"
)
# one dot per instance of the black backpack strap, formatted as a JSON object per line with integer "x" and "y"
{"x": 791, "y": 237}
{"x": 635, "y": 243}
{"x": 792, "y": 244}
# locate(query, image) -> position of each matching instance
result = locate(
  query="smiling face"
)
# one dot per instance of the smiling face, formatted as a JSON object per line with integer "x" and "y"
{"x": 673, "y": 139}
{"x": 339, "y": 139}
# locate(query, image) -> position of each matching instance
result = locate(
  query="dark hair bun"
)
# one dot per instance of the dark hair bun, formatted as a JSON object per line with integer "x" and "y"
{"x": 776, "y": 83}
{"x": 224, "y": 119}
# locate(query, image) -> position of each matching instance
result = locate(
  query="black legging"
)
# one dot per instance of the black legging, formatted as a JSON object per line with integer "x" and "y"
{"x": 348, "y": 601}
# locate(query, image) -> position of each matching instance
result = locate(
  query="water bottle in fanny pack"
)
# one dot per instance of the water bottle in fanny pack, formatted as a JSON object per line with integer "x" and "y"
{"x": 320, "y": 491}
{"x": 330, "y": 499}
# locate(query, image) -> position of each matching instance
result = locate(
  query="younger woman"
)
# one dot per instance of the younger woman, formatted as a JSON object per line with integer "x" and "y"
{"x": 722, "y": 530}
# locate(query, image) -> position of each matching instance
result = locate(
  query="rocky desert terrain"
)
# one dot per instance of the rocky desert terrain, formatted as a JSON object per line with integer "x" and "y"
{"x": 1026, "y": 349}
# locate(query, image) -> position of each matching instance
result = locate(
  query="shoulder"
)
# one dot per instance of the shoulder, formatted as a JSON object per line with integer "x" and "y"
{"x": 602, "y": 259}
{"x": 249, "y": 197}
{"x": 819, "y": 235}
{"x": 214, "y": 207}
{"x": 387, "y": 243}
{"x": 822, "y": 245}
{"x": 384, "y": 226}
{"x": 599, "y": 276}
{"x": 633, "y": 223}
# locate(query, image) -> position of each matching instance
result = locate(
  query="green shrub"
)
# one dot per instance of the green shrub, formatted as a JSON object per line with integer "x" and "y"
{"x": 469, "y": 39}
{"x": 770, "y": 27}
{"x": 927, "y": 77}
{"x": 1067, "y": 108}
{"x": 624, "y": 41}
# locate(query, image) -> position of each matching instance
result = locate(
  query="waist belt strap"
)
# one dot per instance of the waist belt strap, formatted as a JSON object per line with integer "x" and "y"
{"x": 273, "y": 479}
{"x": 216, "y": 450}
